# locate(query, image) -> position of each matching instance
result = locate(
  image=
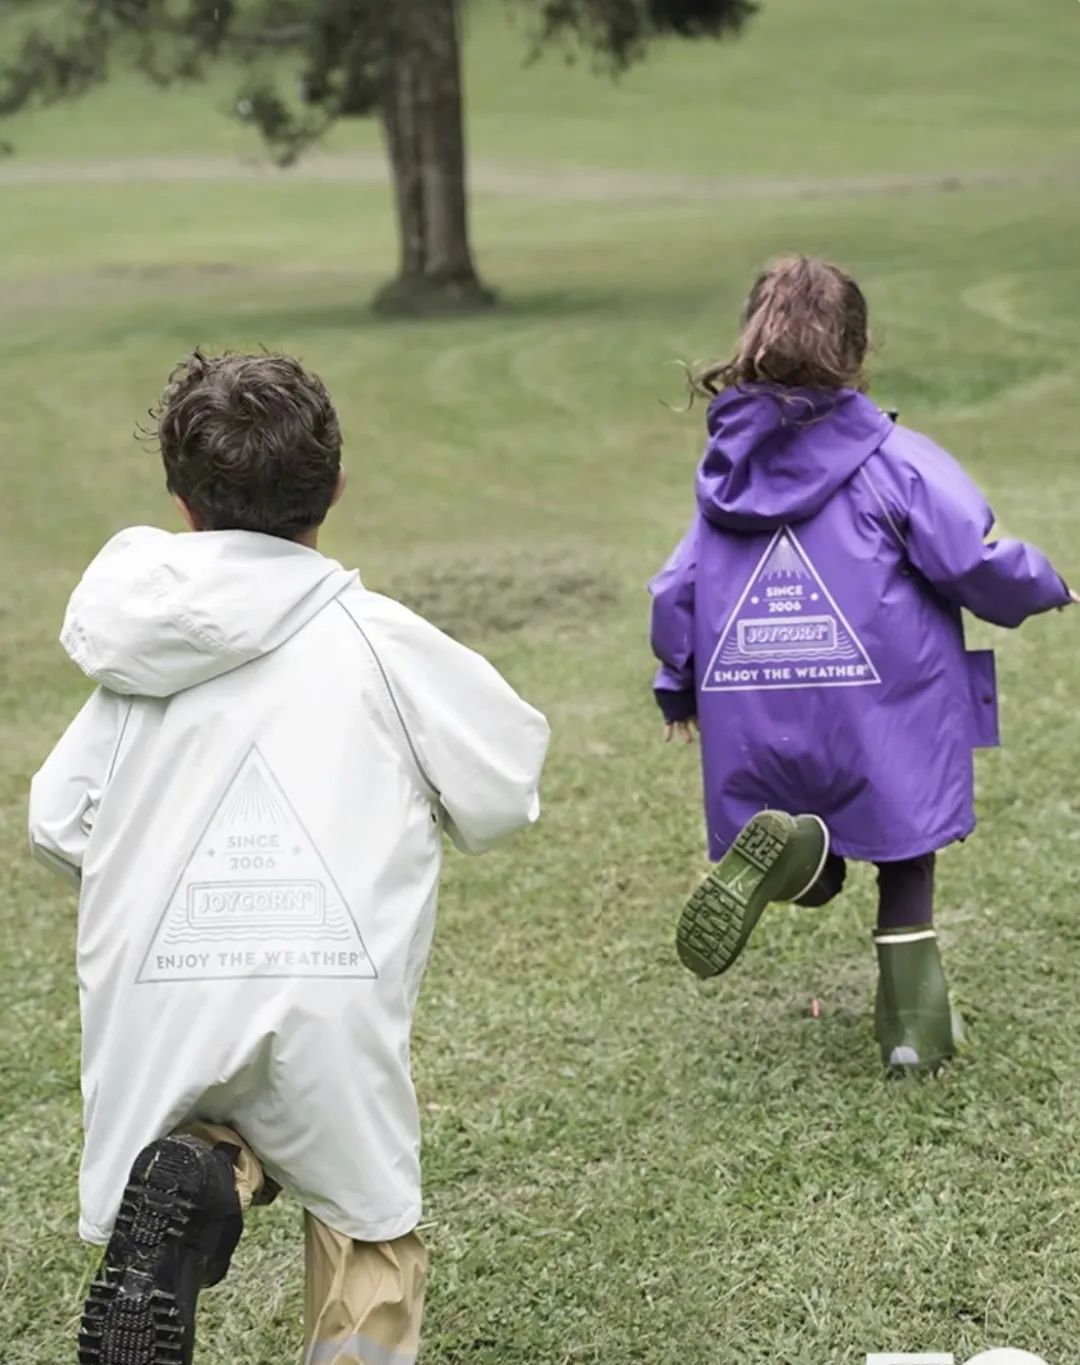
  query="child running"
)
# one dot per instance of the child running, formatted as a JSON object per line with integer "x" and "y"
{"x": 252, "y": 805}
{"x": 810, "y": 623}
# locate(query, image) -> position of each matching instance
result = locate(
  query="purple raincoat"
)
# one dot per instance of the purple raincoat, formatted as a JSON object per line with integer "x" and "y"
{"x": 810, "y": 617}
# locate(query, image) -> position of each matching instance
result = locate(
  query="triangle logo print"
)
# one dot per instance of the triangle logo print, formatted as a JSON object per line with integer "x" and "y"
{"x": 255, "y": 898}
{"x": 787, "y": 631}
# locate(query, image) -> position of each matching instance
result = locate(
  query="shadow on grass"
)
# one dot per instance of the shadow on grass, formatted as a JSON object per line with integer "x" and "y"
{"x": 217, "y": 306}
{"x": 356, "y": 314}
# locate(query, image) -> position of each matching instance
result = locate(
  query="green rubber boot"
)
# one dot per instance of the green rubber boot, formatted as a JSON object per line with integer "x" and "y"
{"x": 913, "y": 1020}
{"x": 776, "y": 857}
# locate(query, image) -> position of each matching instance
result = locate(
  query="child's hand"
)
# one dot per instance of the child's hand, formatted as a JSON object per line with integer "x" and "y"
{"x": 1073, "y": 597}
{"x": 685, "y": 729}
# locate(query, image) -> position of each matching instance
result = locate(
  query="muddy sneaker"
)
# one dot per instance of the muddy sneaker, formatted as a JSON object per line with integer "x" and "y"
{"x": 916, "y": 1027}
{"x": 776, "y": 857}
{"x": 178, "y": 1225}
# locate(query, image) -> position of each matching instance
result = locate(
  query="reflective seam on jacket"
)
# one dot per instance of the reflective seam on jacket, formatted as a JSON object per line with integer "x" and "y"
{"x": 885, "y": 508}
{"x": 432, "y": 792}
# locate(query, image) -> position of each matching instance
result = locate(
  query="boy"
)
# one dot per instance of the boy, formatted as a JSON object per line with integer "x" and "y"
{"x": 251, "y": 804}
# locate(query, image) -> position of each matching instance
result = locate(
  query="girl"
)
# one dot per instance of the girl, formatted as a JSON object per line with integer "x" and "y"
{"x": 810, "y": 623}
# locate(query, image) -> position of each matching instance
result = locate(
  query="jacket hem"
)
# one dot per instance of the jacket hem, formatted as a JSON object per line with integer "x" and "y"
{"x": 385, "y": 1231}
{"x": 338, "y": 1219}
{"x": 918, "y": 849}
{"x": 864, "y": 853}
{"x": 94, "y": 1235}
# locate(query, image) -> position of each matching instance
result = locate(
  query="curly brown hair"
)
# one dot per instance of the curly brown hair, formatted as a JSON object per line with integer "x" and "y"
{"x": 804, "y": 326}
{"x": 249, "y": 443}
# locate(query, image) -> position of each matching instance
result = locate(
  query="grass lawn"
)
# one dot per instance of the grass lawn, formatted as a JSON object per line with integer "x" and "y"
{"x": 622, "y": 1166}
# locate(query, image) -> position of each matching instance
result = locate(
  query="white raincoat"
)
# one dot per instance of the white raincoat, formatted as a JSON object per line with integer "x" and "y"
{"x": 252, "y": 802}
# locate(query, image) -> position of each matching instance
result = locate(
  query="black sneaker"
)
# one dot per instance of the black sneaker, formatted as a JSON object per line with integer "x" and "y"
{"x": 178, "y": 1225}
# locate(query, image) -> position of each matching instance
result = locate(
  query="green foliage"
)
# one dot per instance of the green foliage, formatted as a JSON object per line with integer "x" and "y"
{"x": 341, "y": 48}
{"x": 618, "y": 32}
{"x": 47, "y": 69}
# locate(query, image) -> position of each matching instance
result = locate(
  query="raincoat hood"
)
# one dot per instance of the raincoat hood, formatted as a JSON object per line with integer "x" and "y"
{"x": 775, "y": 457}
{"x": 157, "y": 613}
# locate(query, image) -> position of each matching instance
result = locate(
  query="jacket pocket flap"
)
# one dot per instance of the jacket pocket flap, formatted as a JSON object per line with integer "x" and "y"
{"x": 982, "y": 682}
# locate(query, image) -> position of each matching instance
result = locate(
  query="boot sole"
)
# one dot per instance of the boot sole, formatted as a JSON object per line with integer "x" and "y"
{"x": 129, "y": 1317}
{"x": 932, "y": 1067}
{"x": 922, "y": 1070}
{"x": 720, "y": 916}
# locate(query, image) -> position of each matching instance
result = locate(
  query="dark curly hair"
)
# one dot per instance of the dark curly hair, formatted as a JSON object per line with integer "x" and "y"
{"x": 249, "y": 442}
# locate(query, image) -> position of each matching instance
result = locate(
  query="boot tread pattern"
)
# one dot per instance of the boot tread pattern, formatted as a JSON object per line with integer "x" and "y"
{"x": 711, "y": 925}
{"x": 712, "y": 929}
{"x": 760, "y": 845}
{"x": 127, "y": 1319}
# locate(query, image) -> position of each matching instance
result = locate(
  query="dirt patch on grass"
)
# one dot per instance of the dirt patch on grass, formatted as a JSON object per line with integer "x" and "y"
{"x": 506, "y": 592}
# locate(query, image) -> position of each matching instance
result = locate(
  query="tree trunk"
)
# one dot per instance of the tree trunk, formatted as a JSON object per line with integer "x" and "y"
{"x": 399, "y": 112}
{"x": 423, "y": 121}
{"x": 442, "y": 149}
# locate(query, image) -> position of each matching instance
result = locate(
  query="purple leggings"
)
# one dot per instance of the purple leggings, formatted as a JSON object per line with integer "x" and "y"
{"x": 905, "y": 890}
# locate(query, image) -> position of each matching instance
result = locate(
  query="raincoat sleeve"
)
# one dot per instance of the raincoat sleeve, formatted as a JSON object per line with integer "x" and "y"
{"x": 948, "y": 520}
{"x": 673, "y": 630}
{"x": 478, "y": 744}
{"x": 64, "y": 794}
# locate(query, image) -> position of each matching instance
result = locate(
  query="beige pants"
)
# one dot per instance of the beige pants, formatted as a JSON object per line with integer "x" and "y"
{"x": 364, "y": 1300}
